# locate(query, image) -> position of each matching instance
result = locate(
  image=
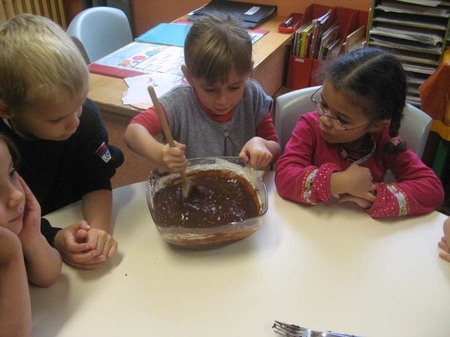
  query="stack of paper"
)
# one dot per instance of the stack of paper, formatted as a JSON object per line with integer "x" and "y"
{"x": 411, "y": 34}
{"x": 391, "y": 6}
{"x": 137, "y": 94}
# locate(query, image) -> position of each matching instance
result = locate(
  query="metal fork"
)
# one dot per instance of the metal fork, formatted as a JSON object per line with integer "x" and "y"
{"x": 291, "y": 330}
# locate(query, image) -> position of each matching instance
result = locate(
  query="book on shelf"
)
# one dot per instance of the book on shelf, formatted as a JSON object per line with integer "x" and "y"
{"x": 306, "y": 38}
{"x": 334, "y": 50}
{"x": 355, "y": 39}
{"x": 319, "y": 27}
{"x": 329, "y": 39}
{"x": 300, "y": 37}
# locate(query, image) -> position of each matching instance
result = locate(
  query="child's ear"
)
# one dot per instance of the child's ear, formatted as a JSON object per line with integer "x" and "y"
{"x": 186, "y": 74}
{"x": 5, "y": 112}
{"x": 379, "y": 126}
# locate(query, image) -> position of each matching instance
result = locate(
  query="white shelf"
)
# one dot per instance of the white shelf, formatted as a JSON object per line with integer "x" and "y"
{"x": 416, "y": 34}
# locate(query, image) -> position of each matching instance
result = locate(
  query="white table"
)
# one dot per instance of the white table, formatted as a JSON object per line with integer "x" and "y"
{"x": 325, "y": 267}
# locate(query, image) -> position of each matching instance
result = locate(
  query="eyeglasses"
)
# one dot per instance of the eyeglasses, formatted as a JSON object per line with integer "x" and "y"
{"x": 335, "y": 122}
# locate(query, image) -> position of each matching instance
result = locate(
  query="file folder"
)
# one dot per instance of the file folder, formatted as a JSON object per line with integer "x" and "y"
{"x": 251, "y": 14}
{"x": 172, "y": 34}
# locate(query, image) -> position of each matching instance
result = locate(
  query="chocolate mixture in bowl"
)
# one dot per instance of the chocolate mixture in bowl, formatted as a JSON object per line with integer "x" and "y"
{"x": 222, "y": 197}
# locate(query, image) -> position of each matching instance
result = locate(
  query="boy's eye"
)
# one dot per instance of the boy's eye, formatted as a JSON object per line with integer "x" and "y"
{"x": 56, "y": 121}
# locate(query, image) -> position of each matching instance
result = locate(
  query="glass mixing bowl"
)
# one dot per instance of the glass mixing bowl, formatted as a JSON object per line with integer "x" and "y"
{"x": 201, "y": 236}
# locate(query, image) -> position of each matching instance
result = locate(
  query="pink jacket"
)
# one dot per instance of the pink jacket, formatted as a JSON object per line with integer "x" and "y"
{"x": 304, "y": 171}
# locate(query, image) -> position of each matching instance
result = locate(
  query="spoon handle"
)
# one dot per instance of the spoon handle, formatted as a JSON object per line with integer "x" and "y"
{"x": 161, "y": 116}
{"x": 164, "y": 125}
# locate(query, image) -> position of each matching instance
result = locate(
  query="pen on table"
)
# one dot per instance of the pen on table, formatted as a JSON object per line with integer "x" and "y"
{"x": 288, "y": 22}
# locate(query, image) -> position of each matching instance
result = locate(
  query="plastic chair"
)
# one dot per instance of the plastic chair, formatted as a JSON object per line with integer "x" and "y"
{"x": 289, "y": 107}
{"x": 81, "y": 49}
{"x": 101, "y": 30}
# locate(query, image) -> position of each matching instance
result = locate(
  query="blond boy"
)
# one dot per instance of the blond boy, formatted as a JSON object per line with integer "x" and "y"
{"x": 60, "y": 135}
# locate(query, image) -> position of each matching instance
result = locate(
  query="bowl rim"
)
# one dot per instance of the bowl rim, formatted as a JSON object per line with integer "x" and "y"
{"x": 264, "y": 204}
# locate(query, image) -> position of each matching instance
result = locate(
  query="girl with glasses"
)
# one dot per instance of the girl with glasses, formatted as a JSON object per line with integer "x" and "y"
{"x": 343, "y": 150}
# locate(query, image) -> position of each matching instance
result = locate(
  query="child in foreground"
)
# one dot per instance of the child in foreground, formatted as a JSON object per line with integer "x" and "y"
{"x": 344, "y": 149}
{"x": 222, "y": 112}
{"x": 59, "y": 134}
{"x": 25, "y": 255}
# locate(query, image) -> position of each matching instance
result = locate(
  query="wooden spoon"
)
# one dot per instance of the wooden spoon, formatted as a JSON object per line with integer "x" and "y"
{"x": 187, "y": 184}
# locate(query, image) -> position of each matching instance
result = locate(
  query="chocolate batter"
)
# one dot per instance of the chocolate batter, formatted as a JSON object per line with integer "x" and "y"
{"x": 218, "y": 198}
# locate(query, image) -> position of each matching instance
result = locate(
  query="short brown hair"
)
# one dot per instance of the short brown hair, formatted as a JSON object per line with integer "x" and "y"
{"x": 215, "y": 46}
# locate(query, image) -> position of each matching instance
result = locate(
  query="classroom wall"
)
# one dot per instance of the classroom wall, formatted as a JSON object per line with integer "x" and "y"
{"x": 72, "y": 8}
{"x": 148, "y": 13}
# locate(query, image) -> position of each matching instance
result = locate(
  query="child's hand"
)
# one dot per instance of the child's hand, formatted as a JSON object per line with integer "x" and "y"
{"x": 173, "y": 157}
{"x": 444, "y": 244}
{"x": 75, "y": 250}
{"x": 256, "y": 151}
{"x": 32, "y": 216}
{"x": 363, "y": 203}
{"x": 355, "y": 180}
{"x": 43, "y": 262}
{"x": 100, "y": 241}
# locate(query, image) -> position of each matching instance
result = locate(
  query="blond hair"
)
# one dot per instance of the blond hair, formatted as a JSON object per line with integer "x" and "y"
{"x": 39, "y": 63}
{"x": 217, "y": 45}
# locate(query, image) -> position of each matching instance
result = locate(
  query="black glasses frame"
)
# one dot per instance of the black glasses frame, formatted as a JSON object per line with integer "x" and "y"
{"x": 337, "y": 124}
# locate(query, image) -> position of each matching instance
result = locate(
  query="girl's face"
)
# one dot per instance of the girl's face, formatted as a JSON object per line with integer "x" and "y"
{"x": 218, "y": 98}
{"x": 340, "y": 111}
{"x": 53, "y": 121}
{"x": 12, "y": 197}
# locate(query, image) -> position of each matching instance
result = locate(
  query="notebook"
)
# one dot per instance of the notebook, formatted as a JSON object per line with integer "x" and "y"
{"x": 250, "y": 14}
{"x": 172, "y": 34}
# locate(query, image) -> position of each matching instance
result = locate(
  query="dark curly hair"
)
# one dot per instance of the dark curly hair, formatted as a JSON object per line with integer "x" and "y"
{"x": 374, "y": 80}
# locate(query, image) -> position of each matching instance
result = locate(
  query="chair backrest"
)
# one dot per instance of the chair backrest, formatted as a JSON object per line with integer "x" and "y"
{"x": 415, "y": 127}
{"x": 101, "y": 30}
{"x": 289, "y": 107}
